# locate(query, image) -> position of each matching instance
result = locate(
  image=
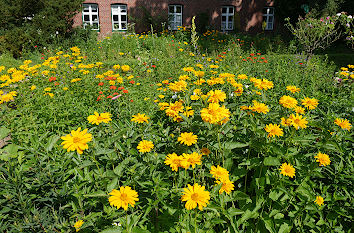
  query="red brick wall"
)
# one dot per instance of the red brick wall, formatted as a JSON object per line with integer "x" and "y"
{"x": 249, "y": 11}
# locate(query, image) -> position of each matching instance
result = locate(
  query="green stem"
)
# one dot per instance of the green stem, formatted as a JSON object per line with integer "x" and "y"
{"x": 195, "y": 221}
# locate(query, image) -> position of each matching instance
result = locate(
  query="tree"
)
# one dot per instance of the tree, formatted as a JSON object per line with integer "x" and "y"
{"x": 26, "y": 23}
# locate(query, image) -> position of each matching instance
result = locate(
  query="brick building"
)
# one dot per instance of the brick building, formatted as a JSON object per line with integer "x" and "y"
{"x": 107, "y": 16}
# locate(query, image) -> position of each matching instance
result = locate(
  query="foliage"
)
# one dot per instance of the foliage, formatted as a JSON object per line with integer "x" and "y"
{"x": 26, "y": 24}
{"x": 45, "y": 188}
{"x": 314, "y": 33}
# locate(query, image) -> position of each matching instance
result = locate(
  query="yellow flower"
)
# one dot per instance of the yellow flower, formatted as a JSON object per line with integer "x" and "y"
{"x": 310, "y": 103}
{"x": 343, "y": 123}
{"x": 178, "y": 86}
{"x": 33, "y": 87}
{"x": 50, "y": 94}
{"x": 99, "y": 118}
{"x": 195, "y": 196}
{"x": 199, "y": 73}
{"x": 191, "y": 160}
{"x": 288, "y": 101}
{"x": 319, "y": 200}
{"x": 285, "y": 122}
{"x": 215, "y": 114}
{"x": 123, "y": 198}
{"x": 125, "y": 68}
{"x": 145, "y": 146}
{"x": 195, "y": 97}
{"x": 293, "y": 89}
{"x": 188, "y": 138}
{"x": 287, "y": 170}
{"x": 48, "y": 89}
{"x": 78, "y": 224}
{"x": 76, "y": 140}
{"x": 323, "y": 159}
{"x": 274, "y": 130}
{"x": 242, "y": 76}
{"x": 65, "y": 88}
{"x": 116, "y": 67}
{"x": 219, "y": 173}
{"x": 75, "y": 80}
{"x": 259, "y": 107}
{"x": 227, "y": 186}
{"x": 216, "y": 96}
{"x": 297, "y": 121}
{"x": 174, "y": 161}
{"x": 140, "y": 118}
{"x": 299, "y": 110}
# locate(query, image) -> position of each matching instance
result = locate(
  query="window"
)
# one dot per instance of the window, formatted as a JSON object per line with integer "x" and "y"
{"x": 90, "y": 16}
{"x": 268, "y": 16}
{"x": 174, "y": 16}
{"x": 119, "y": 17}
{"x": 227, "y": 18}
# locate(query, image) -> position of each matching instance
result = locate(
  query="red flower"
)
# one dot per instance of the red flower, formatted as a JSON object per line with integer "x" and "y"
{"x": 252, "y": 54}
{"x": 125, "y": 91}
{"x": 56, "y": 83}
{"x": 224, "y": 52}
{"x": 100, "y": 92}
{"x": 115, "y": 93}
{"x": 109, "y": 97}
{"x": 112, "y": 87}
{"x": 100, "y": 84}
{"x": 120, "y": 88}
{"x": 262, "y": 58}
{"x": 153, "y": 66}
{"x": 132, "y": 101}
{"x": 51, "y": 79}
{"x": 132, "y": 81}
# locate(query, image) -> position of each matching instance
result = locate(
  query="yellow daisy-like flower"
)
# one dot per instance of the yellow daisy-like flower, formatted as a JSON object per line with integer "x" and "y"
{"x": 76, "y": 140}
{"x": 123, "y": 197}
{"x": 323, "y": 159}
{"x": 216, "y": 96}
{"x": 288, "y": 101}
{"x": 242, "y": 76}
{"x": 140, "y": 118}
{"x": 319, "y": 200}
{"x": 125, "y": 68}
{"x": 194, "y": 196}
{"x": 199, "y": 73}
{"x": 343, "y": 123}
{"x": 188, "y": 138}
{"x": 227, "y": 186}
{"x": 178, "y": 86}
{"x": 215, "y": 114}
{"x": 285, "y": 122}
{"x": 145, "y": 146}
{"x": 310, "y": 103}
{"x": 99, "y": 118}
{"x": 297, "y": 121}
{"x": 259, "y": 107}
{"x": 174, "y": 161}
{"x": 274, "y": 130}
{"x": 299, "y": 110}
{"x": 191, "y": 160}
{"x": 219, "y": 173}
{"x": 293, "y": 89}
{"x": 78, "y": 224}
{"x": 287, "y": 170}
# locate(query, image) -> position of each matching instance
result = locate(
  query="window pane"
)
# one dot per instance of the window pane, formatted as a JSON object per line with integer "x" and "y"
{"x": 123, "y": 18}
{"x": 271, "y": 10}
{"x": 171, "y": 9}
{"x": 270, "y": 26}
{"x": 94, "y": 17}
{"x": 270, "y": 19}
{"x": 265, "y": 10}
{"x": 231, "y": 18}
{"x": 223, "y": 18}
{"x": 231, "y": 10}
{"x": 94, "y": 8}
{"x": 223, "y": 10}
{"x": 95, "y": 25}
{"x": 124, "y": 26}
{"x": 116, "y": 26}
{"x": 115, "y": 17}
{"x": 86, "y": 8}
{"x": 178, "y": 9}
{"x": 86, "y": 18}
{"x": 178, "y": 18}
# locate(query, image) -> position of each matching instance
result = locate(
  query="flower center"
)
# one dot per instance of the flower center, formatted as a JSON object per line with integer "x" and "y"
{"x": 76, "y": 139}
{"x": 99, "y": 118}
{"x": 194, "y": 197}
{"x": 123, "y": 197}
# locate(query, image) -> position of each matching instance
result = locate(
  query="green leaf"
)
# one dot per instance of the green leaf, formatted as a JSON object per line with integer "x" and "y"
{"x": 139, "y": 230}
{"x": 9, "y": 151}
{"x": 238, "y": 195}
{"x": 284, "y": 228}
{"x": 119, "y": 169}
{"x": 271, "y": 161}
{"x": 231, "y": 145}
{"x": 112, "y": 184}
{"x": 234, "y": 211}
{"x": 112, "y": 230}
{"x": 96, "y": 194}
{"x": 4, "y": 132}
{"x": 51, "y": 142}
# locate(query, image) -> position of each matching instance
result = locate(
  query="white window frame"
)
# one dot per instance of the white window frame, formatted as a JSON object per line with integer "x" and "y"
{"x": 119, "y": 10}
{"x": 90, "y": 14}
{"x": 173, "y": 21}
{"x": 227, "y": 25}
{"x": 268, "y": 18}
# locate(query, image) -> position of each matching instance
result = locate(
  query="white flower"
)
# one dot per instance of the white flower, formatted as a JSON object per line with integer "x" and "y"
{"x": 349, "y": 16}
{"x": 338, "y": 14}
